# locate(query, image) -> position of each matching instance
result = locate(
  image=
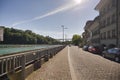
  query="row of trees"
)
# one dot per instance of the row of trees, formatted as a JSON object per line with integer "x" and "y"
{"x": 15, "y": 36}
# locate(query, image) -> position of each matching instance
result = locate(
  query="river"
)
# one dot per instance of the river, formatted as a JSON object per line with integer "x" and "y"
{"x": 8, "y": 49}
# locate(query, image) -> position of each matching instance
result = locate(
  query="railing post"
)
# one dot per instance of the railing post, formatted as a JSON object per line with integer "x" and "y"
{"x": 37, "y": 60}
{"x": 2, "y": 67}
{"x": 13, "y": 65}
{"x": 46, "y": 58}
{"x": 23, "y": 67}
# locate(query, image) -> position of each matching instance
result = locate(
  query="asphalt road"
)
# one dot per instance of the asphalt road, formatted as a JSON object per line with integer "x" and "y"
{"x": 88, "y": 66}
{"x": 72, "y": 63}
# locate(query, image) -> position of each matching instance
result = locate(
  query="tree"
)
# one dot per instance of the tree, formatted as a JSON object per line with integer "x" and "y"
{"x": 76, "y": 40}
{"x": 16, "y": 36}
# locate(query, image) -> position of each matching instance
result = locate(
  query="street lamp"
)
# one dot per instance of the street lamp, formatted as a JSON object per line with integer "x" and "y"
{"x": 63, "y": 27}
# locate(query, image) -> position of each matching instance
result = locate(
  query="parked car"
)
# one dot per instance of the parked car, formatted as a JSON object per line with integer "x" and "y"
{"x": 113, "y": 53}
{"x": 85, "y": 48}
{"x": 94, "y": 49}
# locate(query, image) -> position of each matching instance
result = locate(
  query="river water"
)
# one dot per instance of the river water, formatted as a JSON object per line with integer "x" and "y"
{"x": 4, "y": 49}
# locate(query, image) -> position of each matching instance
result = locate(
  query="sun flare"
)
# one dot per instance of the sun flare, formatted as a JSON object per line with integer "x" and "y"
{"x": 77, "y": 1}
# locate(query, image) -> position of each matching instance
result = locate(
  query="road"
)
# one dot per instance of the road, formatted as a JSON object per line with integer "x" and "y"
{"x": 72, "y": 63}
{"x": 88, "y": 66}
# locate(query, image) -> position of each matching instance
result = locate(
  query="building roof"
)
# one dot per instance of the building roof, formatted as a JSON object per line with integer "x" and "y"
{"x": 100, "y": 4}
{"x": 88, "y": 24}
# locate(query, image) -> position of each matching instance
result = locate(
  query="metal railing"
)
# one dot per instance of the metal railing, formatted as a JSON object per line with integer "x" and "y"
{"x": 14, "y": 62}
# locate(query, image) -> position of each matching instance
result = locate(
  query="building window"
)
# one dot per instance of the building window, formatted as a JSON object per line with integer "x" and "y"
{"x": 113, "y": 3}
{"x": 104, "y": 10}
{"x": 108, "y": 7}
{"x": 104, "y": 35}
{"x": 119, "y": 33}
{"x": 108, "y": 21}
{"x": 113, "y": 34}
{"x": 101, "y": 12}
{"x": 102, "y": 24}
{"x": 100, "y": 36}
{"x": 108, "y": 34}
{"x": 113, "y": 18}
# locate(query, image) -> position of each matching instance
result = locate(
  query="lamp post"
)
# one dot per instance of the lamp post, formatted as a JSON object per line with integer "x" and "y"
{"x": 63, "y": 27}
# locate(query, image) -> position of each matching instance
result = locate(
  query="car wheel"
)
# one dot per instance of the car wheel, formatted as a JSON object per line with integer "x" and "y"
{"x": 117, "y": 59}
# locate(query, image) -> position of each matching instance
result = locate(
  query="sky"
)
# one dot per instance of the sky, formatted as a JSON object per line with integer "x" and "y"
{"x": 45, "y": 17}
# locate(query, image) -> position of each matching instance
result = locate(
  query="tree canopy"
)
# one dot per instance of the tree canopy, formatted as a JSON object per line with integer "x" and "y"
{"x": 16, "y": 36}
{"x": 76, "y": 40}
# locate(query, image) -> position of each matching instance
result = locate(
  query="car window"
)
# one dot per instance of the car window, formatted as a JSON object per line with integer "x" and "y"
{"x": 113, "y": 50}
{"x": 91, "y": 47}
{"x": 110, "y": 50}
{"x": 116, "y": 51}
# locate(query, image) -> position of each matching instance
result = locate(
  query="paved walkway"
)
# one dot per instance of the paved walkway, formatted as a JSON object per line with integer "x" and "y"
{"x": 73, "y": 63}
{"x": 57, "y": 68}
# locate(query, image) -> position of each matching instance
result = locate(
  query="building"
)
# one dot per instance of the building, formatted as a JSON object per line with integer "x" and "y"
{"x": 118, "y": 8}
{"x": 104, "y": 29}
{"x": 95, "y": 31}
{"x": 88, "y": 34}
{"x": 1, "y": 33}
{"x": 109, "y": 25}
{"x": 92, "y": 32}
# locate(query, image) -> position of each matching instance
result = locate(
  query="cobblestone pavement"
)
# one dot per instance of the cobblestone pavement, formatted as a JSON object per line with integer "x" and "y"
{"x": 89, "y": 66}
{"x": 73, "y": 63}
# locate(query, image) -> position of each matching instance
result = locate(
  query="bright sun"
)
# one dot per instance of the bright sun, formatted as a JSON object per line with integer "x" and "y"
{"x": 77, "y": 1}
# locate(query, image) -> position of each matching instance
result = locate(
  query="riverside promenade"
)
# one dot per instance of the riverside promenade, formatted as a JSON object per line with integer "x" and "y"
{"x": 25, "y": 60}
{"x": 72, "y": 63}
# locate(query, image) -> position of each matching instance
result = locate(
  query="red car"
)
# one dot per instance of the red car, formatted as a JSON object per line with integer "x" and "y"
{"x": 94, "y": 49}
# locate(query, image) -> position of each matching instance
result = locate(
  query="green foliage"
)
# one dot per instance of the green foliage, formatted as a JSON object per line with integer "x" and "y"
{"x": 67, "y": 42}
{"x": 76, "y": 40}
{"x": 15, "y": 36}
